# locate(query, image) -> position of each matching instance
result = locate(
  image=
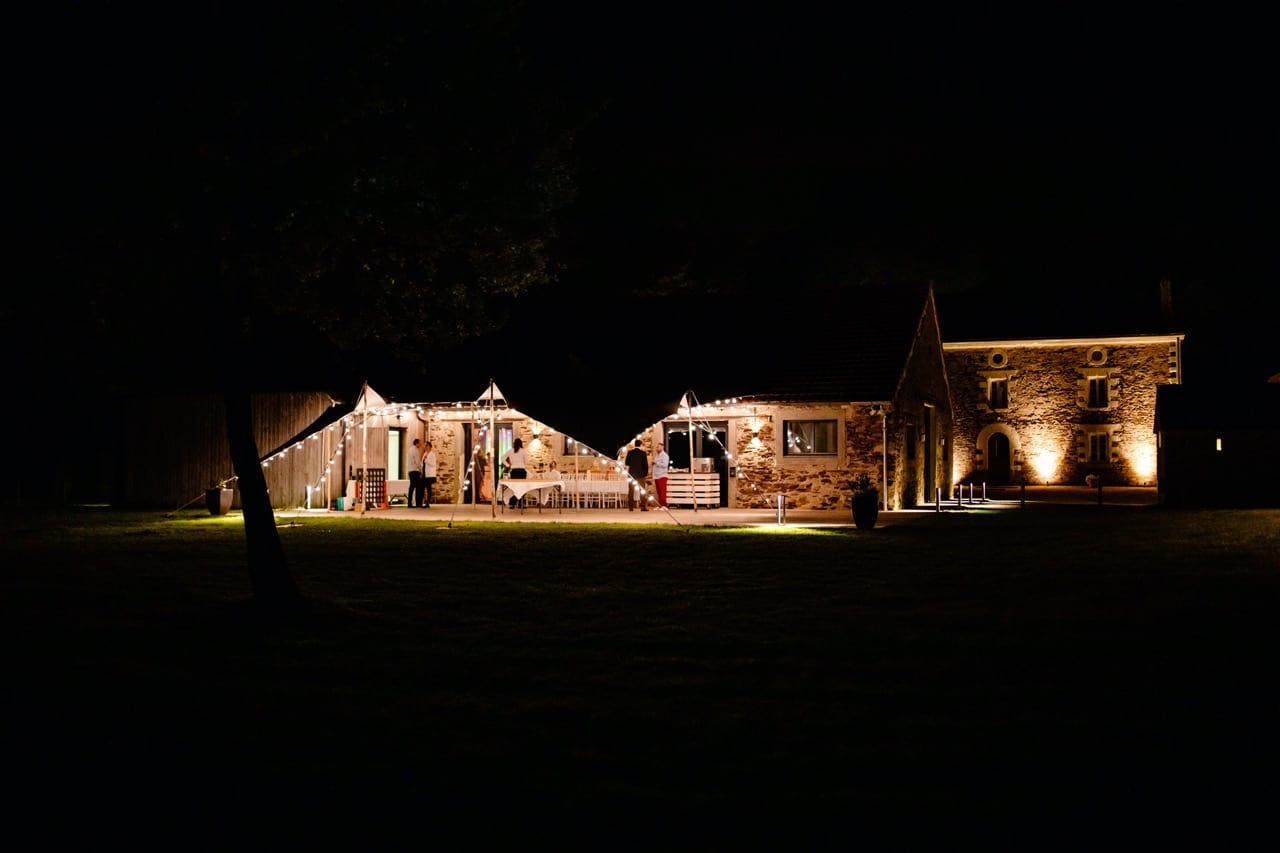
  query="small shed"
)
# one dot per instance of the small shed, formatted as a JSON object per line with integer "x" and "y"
{"x": 1218, "y": 445}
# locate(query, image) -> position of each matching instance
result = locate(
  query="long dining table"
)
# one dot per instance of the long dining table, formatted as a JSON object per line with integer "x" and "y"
{"x": 517, "y": 489}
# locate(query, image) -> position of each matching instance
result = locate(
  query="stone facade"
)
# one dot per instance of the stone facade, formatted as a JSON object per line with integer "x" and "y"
{"x": 1059, "y": 411}
{"x": 902, "y": 441}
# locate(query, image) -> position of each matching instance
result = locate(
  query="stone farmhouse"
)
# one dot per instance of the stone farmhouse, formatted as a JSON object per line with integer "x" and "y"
{"x": 1059, "y": 410}
{"x": 857, "y": 392}
{"x": 869, "y": 389}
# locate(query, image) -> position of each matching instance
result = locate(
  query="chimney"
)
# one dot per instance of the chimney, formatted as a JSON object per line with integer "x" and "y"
{"x": 1166, "y": 302}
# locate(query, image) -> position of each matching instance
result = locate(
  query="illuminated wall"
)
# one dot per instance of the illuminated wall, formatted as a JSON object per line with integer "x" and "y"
{"x": 1056, "y": 411}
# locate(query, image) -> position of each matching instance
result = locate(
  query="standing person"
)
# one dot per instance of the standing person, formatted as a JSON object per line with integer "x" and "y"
{"x": 553, "y": 473}
{"x": 484, "y": 479}
{"x": 661, "y": 462}
{"x": 415, "y": 473}
{"x": 429, "y": 471}
{"x": 638, "y": 468}
{"x": 517, "y": 462}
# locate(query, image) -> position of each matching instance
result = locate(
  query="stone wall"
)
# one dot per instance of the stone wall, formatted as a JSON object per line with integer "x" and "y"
{"x": 1050, "y": 420}
{"x": 921, "y": 423}
{"x": 809, "y": 482}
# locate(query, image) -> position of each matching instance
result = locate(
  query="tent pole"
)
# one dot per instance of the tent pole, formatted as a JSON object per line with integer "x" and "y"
{"x": 364, "y": 453}
{"x": 493, "y": 437}
{"x": 693, "y": 479}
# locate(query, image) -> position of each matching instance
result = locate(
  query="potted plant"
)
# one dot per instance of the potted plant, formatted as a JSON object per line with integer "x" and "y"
{"x": 218, "y": 497}
{"x": 866, "y": 501}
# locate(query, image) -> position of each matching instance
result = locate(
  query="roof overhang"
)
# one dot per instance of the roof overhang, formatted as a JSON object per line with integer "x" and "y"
{"x": 1066, "y": 342}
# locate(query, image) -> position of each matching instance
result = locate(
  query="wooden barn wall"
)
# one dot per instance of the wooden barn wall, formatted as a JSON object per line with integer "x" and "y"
{"x": 176, "y": 447}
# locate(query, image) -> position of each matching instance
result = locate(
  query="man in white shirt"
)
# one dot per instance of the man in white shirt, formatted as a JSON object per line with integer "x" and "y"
{"x": 661, "y": 462}
{"x": 415, "y": 474}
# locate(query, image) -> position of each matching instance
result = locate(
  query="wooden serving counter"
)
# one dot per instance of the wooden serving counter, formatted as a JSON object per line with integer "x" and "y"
{"x": 683, "y": 488}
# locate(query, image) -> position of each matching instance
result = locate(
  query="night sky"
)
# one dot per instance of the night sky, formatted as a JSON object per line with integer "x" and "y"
{"x": 1044, "y": 168}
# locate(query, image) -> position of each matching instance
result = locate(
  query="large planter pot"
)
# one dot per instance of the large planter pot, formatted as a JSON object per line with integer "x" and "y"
{"x": 218, "y": 500}
{"x": 866, "y": 509}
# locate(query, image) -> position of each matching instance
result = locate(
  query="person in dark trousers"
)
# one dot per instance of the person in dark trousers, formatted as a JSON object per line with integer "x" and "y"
{"x": 415, "y": 473}
{"x": 517, "y": 462}
{"x": 638, "y": 468}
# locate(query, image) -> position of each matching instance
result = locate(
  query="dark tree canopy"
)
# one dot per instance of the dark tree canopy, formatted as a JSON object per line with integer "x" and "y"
{"x": 282, "y": 190}
{"x": 325, "y": 183}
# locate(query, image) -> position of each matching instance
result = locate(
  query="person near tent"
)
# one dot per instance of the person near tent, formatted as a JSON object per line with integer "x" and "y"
{"x": 415, "y": 473}
{"x": 638, "y": 468}
{"x": 484, "y": 485}
{"x": 661, "y": 463}
{"x": 429, "y": 468}
{"x": 517, "y": 462}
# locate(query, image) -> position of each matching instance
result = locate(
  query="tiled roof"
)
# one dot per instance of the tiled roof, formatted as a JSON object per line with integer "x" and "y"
{"x": 1218, "y": 406}
{"x": 1034, "y": 314}
{"x": 851, "y": 347}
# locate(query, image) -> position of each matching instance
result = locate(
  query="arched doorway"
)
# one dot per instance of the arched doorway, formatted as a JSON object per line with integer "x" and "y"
{"x": 999, "y": 459}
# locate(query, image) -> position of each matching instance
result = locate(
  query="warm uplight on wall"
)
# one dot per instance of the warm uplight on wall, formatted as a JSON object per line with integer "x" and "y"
{"x": 1144, "y": 464}
{"x": 1045, "y": 464}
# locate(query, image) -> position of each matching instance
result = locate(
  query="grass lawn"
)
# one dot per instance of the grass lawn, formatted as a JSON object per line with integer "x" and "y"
{"x": 1031, "y": 677}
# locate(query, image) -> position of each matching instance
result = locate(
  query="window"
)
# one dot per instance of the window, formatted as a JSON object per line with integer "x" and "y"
{"x": 1098, "y": 449}
{"x": 998, "y": 393}
{"x": 809, "y": 438}
{"x": 1098, "y": 392}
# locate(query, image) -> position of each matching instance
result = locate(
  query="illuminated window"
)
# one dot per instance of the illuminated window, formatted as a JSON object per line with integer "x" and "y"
{"x": 1098, "y": 392}
{"x": 395, "y": 454}
{"x": 809, "y": 438}
{"x": 1098, "y": 448}
{"x": 1218, "y": 444}
{"x": 998, "y": 393}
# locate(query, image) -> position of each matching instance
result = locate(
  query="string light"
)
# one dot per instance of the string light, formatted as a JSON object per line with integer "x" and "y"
{"x": 352, "y": 422}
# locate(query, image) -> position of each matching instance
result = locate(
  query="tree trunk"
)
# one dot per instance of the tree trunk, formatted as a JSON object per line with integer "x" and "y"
{"x": 273, "y": 586}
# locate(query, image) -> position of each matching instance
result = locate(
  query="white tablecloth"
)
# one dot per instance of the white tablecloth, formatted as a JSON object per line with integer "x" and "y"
{"x": 520, "y": 488}
{"x": 585, "y": 488}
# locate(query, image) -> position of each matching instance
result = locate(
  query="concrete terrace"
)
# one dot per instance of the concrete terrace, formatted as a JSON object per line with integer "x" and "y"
{"x": 1003, "y": 498}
